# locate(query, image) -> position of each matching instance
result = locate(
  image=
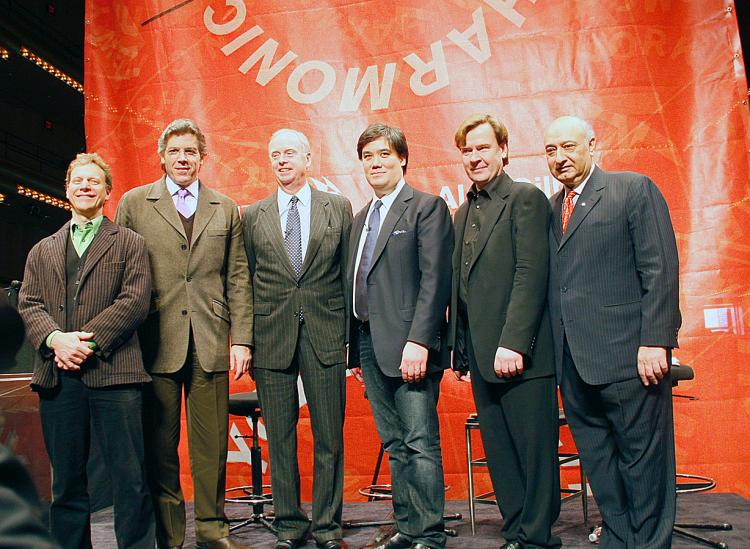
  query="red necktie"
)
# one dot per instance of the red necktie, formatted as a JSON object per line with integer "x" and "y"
{"x": 567, "y": 209}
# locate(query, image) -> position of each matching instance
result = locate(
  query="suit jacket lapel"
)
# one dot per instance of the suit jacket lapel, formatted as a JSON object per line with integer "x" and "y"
{"x": 207, "y": 204}
{"x": 319, "y": 213}
{"x": 358, "y": 226}
{"x": 589, "y": 197}
{"x": 56, "y": 250}
{"x": 164, "y": 205}
{"x": 99, "y": 246}
{"x": 395, "y": 212}
{"x": 270, "y": 223}
{"x": 460, "y": 222}
{"x": 557, "y": 215}
{"x": 495, "y": 209}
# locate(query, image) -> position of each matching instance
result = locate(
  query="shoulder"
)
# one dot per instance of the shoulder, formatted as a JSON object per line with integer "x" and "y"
{"x": 138, "y": 193}
{"x": 525, "y": 189}
{"x": 428, "y": 200}
{"x": 216, "y": 196}
{"x": 252, "y": 209}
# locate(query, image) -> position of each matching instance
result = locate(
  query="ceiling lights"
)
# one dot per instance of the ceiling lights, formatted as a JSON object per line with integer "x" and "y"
{"x": 42, "y": 197}
{"x": 54, "y": 71}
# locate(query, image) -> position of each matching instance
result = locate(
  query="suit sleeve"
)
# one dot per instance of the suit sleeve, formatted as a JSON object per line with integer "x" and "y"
{"x": 114, "y": 325}
{"x": 435, "y": 250}
{"x": 238, "y": 284}
{"x": 32, "y": 307}
{"x": 346, "y": 230}
{"x": 122, "y": 215}
{"x": 656, "y": 259}
{"x": 528, "y": 295}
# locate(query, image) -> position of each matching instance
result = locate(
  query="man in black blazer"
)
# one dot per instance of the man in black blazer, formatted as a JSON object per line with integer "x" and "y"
{"x": 614, "y": 302}
{"x": 398, "y": 291}
{"x": 296, "y": 241}
{"x": 85, "y": 290}
{"x": 500, "y": 332}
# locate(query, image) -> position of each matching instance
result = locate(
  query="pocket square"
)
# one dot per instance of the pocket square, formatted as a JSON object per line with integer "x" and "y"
{"x": 398, "y": 232}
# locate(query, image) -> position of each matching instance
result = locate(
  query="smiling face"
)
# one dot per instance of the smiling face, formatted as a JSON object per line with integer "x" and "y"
{"x": 290, "y": 160}
{"x": 482, "y": 155}
{"x": 87, "y": 191}
{"x": 569, "y": 150}
{"x": 181, "y": 158}
{"x": 382, "y": 166}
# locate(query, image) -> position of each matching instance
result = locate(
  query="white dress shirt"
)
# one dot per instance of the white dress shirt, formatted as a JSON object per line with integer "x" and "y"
{"x": 304, "y": 197}
{"x": 191, "y": 200}
{"x": 387, "y": 202}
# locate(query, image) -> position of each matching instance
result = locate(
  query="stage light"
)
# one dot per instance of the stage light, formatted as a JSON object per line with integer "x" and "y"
{"x": 4, "y": 54}
{"x": 42, "y": 197}
{"x": 51, "y": 69}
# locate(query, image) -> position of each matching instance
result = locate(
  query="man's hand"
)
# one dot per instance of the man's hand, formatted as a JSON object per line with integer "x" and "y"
{"x": 357, "y": 373}
{"x": 462, "y": 375}
{"x": 413, "y": 362}
{"x": 71, "y": 349}
{"x": 508, "y": 363}
{"x": 241, "y": 361}
{"x": 652, "y": 364}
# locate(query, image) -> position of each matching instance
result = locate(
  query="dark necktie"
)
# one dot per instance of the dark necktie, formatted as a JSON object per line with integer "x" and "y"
{"x": 567, "y": 209}
{"x": 293, "y": 236}
{"x": 365, "y": 261}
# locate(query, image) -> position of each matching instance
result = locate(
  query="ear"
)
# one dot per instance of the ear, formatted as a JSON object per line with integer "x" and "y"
{"x": 592, "y": 145}
{"x": 403, "y": 161}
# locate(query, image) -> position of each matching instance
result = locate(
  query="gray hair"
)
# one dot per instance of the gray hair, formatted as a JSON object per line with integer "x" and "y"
{"x": 299, "y": 135}
{"x": 182, "y": 126}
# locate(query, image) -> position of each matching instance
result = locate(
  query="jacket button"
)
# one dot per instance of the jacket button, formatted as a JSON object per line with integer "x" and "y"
{"x": 564, "y": 289}
{"x": 60, "y": 307}
{"x": 183, "y": 247}
{"x": 184, "y": 312}
{"x": 188, "y": 278}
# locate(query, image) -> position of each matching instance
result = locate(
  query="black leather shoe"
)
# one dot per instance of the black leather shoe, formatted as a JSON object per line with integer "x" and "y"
{"x": 420, "y": 546}
{"x": 396, "y": 541}
{"x": 333, "y": 544}
{"x": 221, "y": 543}
{"x": 290, "y": 543}
{"x": 512, "y": 545}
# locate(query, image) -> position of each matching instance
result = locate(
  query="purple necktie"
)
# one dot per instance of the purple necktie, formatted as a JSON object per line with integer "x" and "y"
{"x": 181, "y": 202}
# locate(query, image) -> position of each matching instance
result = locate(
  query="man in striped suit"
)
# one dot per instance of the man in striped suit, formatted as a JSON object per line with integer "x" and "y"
{"x": 296, "y": 241}
{"x": 86, "y": 289}
{"x": 614, "y": 304}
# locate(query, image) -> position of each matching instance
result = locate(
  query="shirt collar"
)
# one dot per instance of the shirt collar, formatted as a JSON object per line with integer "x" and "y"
{"x": 579, "y": 189}
{"x": 473, "y": 192}
{"x": 173, "y": 187}
{"x": 304, "y": 195}
{"x": 96, "y": 223}
{"x": 388, "y": 199}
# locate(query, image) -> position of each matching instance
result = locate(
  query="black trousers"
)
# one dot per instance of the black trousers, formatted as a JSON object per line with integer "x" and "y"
{"x": 519, "y": 424}
{"x": 71, "y": 414}
{"x": 624, "y": 433}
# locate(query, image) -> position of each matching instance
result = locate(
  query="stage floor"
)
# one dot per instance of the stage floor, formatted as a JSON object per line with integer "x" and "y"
{"x": 714, "y": 508}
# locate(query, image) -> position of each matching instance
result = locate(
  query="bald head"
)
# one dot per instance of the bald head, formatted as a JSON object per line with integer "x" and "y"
{"x": 569, "y": 144}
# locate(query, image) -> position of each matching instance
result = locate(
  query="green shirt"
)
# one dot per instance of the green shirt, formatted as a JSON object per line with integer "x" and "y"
{"x": 82, "y": 236}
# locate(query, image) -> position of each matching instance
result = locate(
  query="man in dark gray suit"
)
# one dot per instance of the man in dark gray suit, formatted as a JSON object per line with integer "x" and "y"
{"x": 398, "y": 291}
{"x": 500, "y": 332}
{"x": 614, "y": 303}
{"x": 296, "y": 241}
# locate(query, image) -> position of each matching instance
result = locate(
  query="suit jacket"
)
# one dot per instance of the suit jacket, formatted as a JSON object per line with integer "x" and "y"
{"x": 408, "y": 287}
{"x": 614, "y": 276}
{"x": 111, "y": 302}
{"x": 507, "y": 282}
{"x": 203, "y": 284}
{"x": 279, "y": 292}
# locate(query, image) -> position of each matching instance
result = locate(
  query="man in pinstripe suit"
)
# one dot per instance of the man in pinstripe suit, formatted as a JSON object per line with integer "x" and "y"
{"x": 614, "y": 303}
{"x": 296, "y": 241}
{"x": 86, "y": 289}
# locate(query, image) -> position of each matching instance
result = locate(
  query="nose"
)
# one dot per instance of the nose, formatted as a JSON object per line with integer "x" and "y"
{"x": 559, "y": 155}
{"x": 181, "y": 156}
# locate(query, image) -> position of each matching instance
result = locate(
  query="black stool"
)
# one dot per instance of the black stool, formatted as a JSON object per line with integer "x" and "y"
{"x": 694, "y": 483}
{"x": 247, "y": 405}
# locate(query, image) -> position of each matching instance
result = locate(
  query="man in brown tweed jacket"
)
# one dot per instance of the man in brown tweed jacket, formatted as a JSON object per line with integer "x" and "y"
{"x": 85, "y": 291}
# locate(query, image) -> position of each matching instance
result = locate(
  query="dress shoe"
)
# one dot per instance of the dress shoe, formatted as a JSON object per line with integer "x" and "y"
{"x": 289, "y": 543}
{"x": 511, "y": 545}
{"x": 396, "y": 541}
{"x": 333, "y": 544}
{"x": 221, "y": 543}
{"x": 420, "y": 546}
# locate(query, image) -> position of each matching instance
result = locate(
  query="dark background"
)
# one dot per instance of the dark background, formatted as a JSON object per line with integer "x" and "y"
{"x": 41, "y": 126}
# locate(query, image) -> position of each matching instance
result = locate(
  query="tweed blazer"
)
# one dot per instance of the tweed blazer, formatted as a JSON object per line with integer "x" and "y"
{"x": 112, "y": 301}
{"x": 279, "y": 292}
{"x": 203, "y": 284}
{"x": 614, "y": 276}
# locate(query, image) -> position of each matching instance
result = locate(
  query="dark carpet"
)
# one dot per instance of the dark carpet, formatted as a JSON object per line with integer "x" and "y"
{"x": 714, "y": 508}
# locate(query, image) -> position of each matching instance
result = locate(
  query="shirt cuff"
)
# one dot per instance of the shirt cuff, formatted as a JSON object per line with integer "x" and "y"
{"x": 52, "y": 334}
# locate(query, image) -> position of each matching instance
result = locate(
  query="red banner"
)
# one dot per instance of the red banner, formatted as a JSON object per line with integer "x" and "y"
{"x": 661, "y": 81}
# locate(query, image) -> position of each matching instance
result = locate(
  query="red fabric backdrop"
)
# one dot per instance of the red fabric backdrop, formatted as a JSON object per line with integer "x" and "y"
{"x": 661, "y": 81}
